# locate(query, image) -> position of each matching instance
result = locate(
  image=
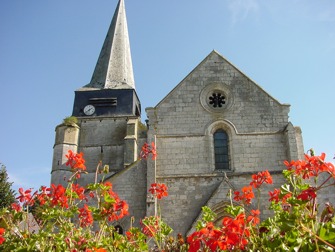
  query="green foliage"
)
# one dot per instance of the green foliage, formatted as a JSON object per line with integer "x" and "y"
{"x": 299, "y": 223}
{"x": 66, "y": 221}
{"x": 7, "y": 195}
{"x": 142, "y": 129}
{"x": 327, "y": 231}
{"x": 70, "y": 121}
{"x": 207, "y": 216}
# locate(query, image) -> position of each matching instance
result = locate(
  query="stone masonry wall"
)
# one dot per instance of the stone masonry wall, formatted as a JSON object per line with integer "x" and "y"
{"x": 195, "y": 155}
{"x": 103, "y": 138}
{"x": 182, "y": 208}
{"x": 186, "y": 197}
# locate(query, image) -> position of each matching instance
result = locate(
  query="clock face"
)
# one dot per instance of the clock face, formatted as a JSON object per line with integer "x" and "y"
{"x": 89, "y": 109}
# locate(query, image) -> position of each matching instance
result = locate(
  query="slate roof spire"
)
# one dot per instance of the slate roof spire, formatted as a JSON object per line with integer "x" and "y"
{"x": 114, "y": 69}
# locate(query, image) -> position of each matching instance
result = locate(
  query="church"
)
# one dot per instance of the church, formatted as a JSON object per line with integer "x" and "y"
{"x": 211, "y": 132}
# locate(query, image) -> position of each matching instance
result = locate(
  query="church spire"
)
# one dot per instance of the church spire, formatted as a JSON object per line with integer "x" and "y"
{"x": 114, "y": 68}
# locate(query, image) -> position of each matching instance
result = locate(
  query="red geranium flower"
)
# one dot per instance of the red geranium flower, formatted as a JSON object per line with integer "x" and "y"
{"x": 312, "y": 166}
{"x": 79, "y": 191}
{"x": 120, "y": 210}
{"x": 108, "y": 184}
{"x": 147, "y": 149}
{"x": 85, "y": 216}
{"x": 113, "y": 207}
{"x": 2, "y": 239}
{"x": 75, "y": 160}
{"x": 285, "y": 197}
{"x": 254, "y": 217}
{"x": 208, "y": 236}
{"x": 235, "y": 233}
{"x": 232, "y": 236}
{"x": 44, "y": 195}
{"x": 260, "y": 178}
{"x": 91, "y": 194}
{"x": 25, "y": 196}
{"x": 16, "y": 207}
{"x": 274, "y": 196}
{"x": 307, "y": 194}
{"x": 246, "y": 195}
{"x": 158, "y": 190}
{"x": 58, "y": 196}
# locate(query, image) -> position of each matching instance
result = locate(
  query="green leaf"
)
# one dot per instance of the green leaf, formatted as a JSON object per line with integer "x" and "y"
{"x": 327, "y": 232}
{"x": 207, "y": 214}
{"x": 93, "y": 187}
{"x": 302, "y": 186}
{"x": 165, "y": 229}
{"x": 234, "y": 210}
{"x": 109, "y": 199}
{"x": 287, "y": 173}
{"x": 292, "y": 236}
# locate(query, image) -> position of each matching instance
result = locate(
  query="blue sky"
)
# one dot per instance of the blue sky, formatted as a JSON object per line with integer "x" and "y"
{"x": 48, "y": 49}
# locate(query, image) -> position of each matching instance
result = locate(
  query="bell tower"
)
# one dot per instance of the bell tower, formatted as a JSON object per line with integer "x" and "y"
{"x": 108, "y": 110}
{"x": 111, "y": 91}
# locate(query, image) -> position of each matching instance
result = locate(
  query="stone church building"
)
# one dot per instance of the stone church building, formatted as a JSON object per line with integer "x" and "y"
{"x": 212, "y": 131}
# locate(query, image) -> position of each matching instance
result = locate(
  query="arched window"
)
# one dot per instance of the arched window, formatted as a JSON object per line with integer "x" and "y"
{"x": 221, "y": 150}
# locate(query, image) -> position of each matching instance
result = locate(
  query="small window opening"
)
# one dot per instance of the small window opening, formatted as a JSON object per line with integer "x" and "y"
{"x": 119, "y": 229}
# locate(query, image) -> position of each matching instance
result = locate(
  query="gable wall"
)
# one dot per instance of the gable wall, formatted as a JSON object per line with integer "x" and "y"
{"x": 184, "y": 126}
{"x": 251, "y": 110}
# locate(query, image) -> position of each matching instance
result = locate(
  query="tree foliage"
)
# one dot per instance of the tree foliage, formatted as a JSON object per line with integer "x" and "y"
{"x": 7, "y": 195}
